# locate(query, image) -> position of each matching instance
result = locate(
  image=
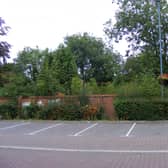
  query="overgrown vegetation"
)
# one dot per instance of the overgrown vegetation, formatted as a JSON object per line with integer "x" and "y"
{"x": 55, "y": 111}
{"x": 9, "y": 111}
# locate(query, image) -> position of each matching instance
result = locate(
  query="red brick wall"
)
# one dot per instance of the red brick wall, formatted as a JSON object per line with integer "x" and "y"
{"x": 106, "y": 101}
{"x": 4, "y": 100}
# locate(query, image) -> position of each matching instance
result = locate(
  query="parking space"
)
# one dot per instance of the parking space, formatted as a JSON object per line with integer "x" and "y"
{"x": 8, "y": 123}
{"x": 65, "y": 128}
{"x": 99, "y": 129}
{"x": 150, "y": 129}
{"x": 108, "y": 129}
{"x": 89, "y": 144}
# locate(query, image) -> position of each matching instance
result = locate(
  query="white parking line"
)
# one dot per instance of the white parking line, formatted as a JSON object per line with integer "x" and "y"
{"x": 82, "y": 131}
{"x": 43, "y": 129}
{"x": 13, "y": 126}
{"x": 130, "y": 130}
{"x": 81, "y": 150}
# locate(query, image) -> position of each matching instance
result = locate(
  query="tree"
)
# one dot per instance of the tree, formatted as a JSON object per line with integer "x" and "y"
{"x": 64, "y": 67}
{"x": 47, "y": 72}
{"x": 14, "y": 82}
{"x": 30, "y": 62}
{"x": 93, "y": 58}
{"x": 29, "y": 65}
{"x": 137, "y": 21}
{"x": 4, "y": 46}
{"x": 106, "y": 67}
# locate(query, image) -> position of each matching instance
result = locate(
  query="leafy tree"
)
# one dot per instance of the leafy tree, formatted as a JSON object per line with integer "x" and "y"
{"x": 138, "y": 66}
{"x": 4, "y": 51}
{"x": 4, "y": 46}
{"x": 137, "y": 21}
{"x": 5, "y": 72}
{"x": 47, "y": 82}
{"x": 106, "y": 67}
{"x": 64, "y": 67}
{"x": 29, "y": 65}
{"x": 93, "y": 58}
{"x": 13, "y": 82}
{"x": 30, "y": 61}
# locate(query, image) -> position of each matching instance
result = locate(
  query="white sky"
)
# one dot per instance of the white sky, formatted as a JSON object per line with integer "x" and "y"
{"x": 45, "y": 23}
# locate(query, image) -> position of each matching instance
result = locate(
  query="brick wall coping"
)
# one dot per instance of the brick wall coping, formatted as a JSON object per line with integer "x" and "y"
{"x": 73, "y": 96}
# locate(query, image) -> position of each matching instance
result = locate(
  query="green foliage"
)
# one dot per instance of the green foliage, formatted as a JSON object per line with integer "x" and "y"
{"x": 56, "y": 111}
{"x": 141, "y": 109}
{"x": 30, "y": 112}
{"x": 8, "y": 110}
{"x": 145, "y": 86}
{"x": 100, "y": 115}
{"x": 4, "y": 46}
{"x": 29, "y": 62}
{"x": 93, "y": 58}
{"x": 76, "y": 86}
{"x": 82, "y": 58}
{"x": 64, "y": 68}
{"x": 142, "y": 64}
{"x": 72, "y": 112}
{"x": 83, "y": 98}
{"x": 52, "y": 112}
{"x": 136, "y": 21}
{"x": 92, "y": 87}
{"x": 107, "y": 88}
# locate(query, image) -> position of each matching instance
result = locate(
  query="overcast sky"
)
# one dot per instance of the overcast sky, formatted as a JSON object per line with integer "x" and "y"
{"x": 44, "y": 23}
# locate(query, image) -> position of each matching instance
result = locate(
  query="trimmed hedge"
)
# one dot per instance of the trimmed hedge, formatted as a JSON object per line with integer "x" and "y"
{"x": 140, "y": 109}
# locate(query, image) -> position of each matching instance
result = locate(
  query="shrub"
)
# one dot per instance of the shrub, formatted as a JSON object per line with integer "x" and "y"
{"x": 51, "y": 112}
{"x": 145, "y": 86}
{"x": 101, "y": 114}
{"x": 30, "y": 112}
{"x": 141, "y": 109}
{"x": 71, "y": 112}
{"x": 56, "y": 111}
{"x": 8, "y": 110}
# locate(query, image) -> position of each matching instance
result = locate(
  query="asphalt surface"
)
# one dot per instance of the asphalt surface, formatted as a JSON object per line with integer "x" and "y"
{"x": 52, "y": 144}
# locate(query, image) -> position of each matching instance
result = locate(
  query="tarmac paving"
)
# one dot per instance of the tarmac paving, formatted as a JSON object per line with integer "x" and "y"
{"x": 84, "y": 144}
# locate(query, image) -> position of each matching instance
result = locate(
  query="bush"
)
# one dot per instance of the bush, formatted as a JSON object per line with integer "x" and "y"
{"x": 56, "y": 111}
{"x": 51, "y": 112}
{"x": 71, "y": 112}
{"x": 30, "y": 112}
{"x": 145, "y": 86}
{"x": 100, "y": 114}
{"x": 141, "y": 109}
{"x": 8, "y": 110}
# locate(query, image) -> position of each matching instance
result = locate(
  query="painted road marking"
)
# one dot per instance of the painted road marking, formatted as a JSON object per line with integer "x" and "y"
{"x": 84, "y": 130}
{"x": 131, "y": 129}
{"x": 13, "y": 126}
{"x": 44, "y": 129}
{"x": 81, "y": 150}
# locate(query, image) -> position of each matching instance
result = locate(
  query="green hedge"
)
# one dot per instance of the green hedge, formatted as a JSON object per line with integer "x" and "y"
{"x": 139, "y": 109}
{"x": 8, "y": 111}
